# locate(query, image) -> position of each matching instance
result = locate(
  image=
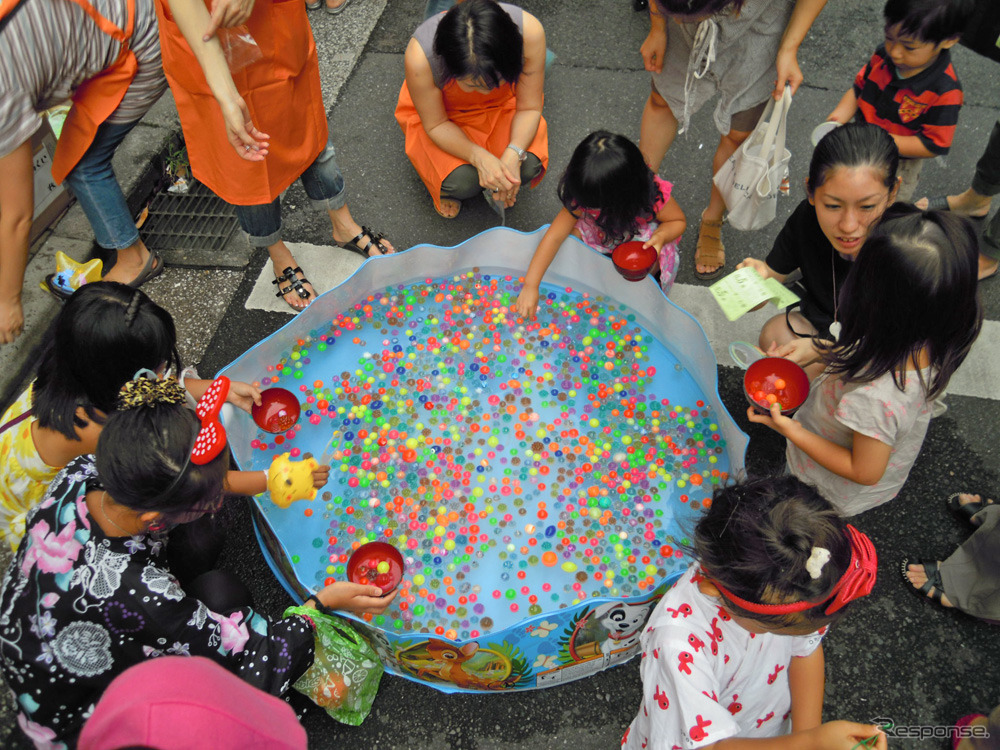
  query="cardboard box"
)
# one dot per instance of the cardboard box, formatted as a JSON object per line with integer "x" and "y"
{"x": 50, "y": 199}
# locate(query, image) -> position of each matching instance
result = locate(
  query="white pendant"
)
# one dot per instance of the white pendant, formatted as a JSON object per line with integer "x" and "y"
{"x": 835, "y": 330}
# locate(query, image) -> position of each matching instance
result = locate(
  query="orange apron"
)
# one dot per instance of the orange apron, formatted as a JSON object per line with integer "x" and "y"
{"x": 484, "y": 118}
{"x": 281, "y": 90}
{"x": 96, "y": 98}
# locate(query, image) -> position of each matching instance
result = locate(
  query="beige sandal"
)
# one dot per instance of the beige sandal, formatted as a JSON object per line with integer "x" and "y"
{"x": 710, "y": 250}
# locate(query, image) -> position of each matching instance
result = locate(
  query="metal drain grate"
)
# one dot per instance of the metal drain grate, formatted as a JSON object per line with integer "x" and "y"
{"x": 197, "y": 220}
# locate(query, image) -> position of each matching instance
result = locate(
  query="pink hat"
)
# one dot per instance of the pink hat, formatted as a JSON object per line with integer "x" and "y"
{"x": 178, "y": 702}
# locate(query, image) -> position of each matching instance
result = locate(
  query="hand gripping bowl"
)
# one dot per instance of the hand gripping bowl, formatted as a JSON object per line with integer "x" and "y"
{"x": 772, "y": 380}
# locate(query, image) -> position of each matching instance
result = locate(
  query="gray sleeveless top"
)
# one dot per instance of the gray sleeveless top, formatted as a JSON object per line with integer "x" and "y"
{"x": 425, "y": 38}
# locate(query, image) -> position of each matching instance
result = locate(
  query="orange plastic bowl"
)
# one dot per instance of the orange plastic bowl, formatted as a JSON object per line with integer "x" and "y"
{"x": 362, "y": 566}
{"x": 632, "y": 260}
{"x": 775, "y": 380}
{"x": 278, "y": 411}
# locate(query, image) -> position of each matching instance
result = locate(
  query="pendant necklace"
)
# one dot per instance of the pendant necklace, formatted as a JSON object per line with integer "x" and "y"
{"x": 835, "y": 325}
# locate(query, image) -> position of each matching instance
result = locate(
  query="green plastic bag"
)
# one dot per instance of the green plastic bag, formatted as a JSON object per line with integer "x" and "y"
{"x": 345, "y": 673}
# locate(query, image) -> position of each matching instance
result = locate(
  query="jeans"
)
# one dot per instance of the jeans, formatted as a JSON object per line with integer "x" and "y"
{"x": 324, "y": 184}
{"x": 94, "y": 184}
{"x": 986, "y": 181}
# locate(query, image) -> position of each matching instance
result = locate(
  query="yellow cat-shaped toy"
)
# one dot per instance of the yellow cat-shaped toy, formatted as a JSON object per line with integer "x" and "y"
{"x": 289, "y": 480}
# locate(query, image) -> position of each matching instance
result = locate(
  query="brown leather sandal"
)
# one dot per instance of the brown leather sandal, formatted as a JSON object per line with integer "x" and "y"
{"x": 710, "y": 251}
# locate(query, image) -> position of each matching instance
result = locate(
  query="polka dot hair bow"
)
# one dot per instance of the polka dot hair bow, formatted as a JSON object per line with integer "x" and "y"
{"x": 211, "y": 437}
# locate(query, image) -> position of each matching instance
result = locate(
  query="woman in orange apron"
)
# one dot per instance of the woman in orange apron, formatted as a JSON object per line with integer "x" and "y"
{"x": 471, "y": 104}
{"x": 46, "y": 51}
{"x": 250, "y": 133}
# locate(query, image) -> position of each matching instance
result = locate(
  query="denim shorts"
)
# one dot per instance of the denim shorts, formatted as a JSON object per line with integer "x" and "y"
{"x": 323, "y": 183}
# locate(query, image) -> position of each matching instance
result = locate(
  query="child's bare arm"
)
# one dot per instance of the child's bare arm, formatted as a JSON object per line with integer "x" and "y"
{"x": 865, "y": 462}
{"x": 834, "y": 735}
{"x": 805, "y": 682}
{"x": 912, "y": 147}
{"x": 672, "y": 225}
{"x": 545, "y": 253}
{"x": 845, "y": 108}
{"x": 255, "y": 482}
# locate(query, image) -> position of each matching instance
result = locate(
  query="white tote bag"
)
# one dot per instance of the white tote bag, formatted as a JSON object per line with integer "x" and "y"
{"x": 751, "y": 179}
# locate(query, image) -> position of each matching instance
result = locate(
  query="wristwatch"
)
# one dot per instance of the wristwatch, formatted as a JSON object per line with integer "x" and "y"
{"x": 521, "y": 153}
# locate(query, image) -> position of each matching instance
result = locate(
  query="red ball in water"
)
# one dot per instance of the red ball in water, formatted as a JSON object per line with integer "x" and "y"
{"x": 632, "y": 260}
{"x": 278, "y": 411}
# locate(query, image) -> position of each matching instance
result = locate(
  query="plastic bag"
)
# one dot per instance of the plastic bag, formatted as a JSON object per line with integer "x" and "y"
{"x": 239, "y": 46}
{"x": 345, "y": 673}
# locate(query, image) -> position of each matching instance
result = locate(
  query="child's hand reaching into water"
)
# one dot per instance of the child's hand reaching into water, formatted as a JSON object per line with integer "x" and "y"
{"x": 527, "y": 301}
{"x": 321, "y": 475}
{"x": 243, "y": 395}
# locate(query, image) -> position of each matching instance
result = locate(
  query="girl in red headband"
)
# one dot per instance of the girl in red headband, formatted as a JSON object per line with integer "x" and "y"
{"x": 732, "y": 654}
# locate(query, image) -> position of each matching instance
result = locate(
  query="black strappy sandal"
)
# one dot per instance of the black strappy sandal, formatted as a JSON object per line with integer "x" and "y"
{"x": 296, "y": 282}
{"x": 374, "y": 241}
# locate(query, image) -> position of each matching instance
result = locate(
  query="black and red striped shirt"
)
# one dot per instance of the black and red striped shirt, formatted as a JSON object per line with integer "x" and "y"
{"x": 925, "y": 105}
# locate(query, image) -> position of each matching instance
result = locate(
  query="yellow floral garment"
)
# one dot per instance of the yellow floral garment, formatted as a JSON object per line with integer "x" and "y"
{"x": 24, "y": 477}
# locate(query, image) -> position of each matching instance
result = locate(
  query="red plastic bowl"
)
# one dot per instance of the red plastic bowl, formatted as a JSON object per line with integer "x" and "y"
{"x": 363, "y": 562}
{"x": 632, "y": 260}
{"x": 278, "y": 411}
{"x": 779, "y": 377}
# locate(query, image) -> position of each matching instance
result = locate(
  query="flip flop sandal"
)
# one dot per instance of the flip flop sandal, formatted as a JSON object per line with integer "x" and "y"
{"x": 932, "y": 588}
{"x": 314, "y": 6}
{"x": 710, "y": 250}
{"x": 296, "y": 283}
{"x": 149, "y": 271}
{"x": 374, "y": 242}
{"x": 968, "y": 511}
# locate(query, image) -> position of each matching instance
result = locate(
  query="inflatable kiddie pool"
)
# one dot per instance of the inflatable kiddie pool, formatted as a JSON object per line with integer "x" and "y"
{"x": 538, "y": 477}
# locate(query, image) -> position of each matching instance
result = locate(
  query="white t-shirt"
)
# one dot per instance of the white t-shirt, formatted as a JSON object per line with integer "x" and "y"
{"x": 877, "y": 409}
{"x": 705, "y": 678}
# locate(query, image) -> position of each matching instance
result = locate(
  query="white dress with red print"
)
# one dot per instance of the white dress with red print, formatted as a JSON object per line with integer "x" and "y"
{"x": 705, "y": 678}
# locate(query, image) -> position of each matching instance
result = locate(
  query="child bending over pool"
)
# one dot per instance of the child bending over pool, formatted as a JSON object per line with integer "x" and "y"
{"x": 609, "y": 196}
{"x": 732, "y": 655}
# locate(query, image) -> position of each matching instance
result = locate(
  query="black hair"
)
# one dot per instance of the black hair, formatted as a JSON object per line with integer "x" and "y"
{"x": 932, "y": 21}
{"x": 755, "y": 539}
{"x": 854, "y": 145}
{"x": 143, "y": 462}
{"x": 697, "y": 7}
{"x": 607, "y": 173}
{"x": 476, "y": 39}
{"x": 105, "y": 333}
{"x": 913, "y": 285}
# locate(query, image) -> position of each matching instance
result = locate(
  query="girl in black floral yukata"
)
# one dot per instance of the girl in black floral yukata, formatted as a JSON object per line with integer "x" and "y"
{"x": 88, "y": 594}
